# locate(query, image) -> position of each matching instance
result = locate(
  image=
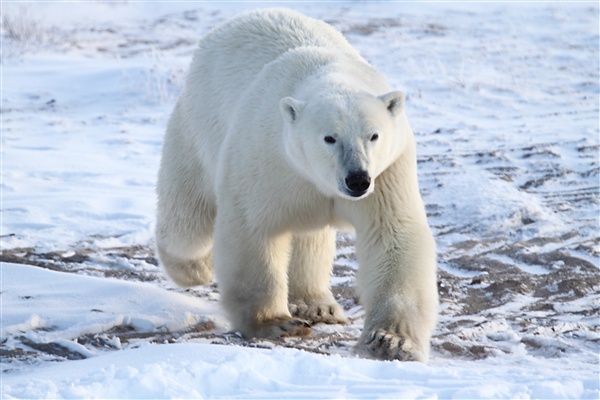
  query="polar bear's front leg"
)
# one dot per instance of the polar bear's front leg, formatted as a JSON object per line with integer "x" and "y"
{"x": 398, "y": 287}
{"x": 309, "y": 274}
{"x": 397, "y": 267}
{"x": 252, "y": 277}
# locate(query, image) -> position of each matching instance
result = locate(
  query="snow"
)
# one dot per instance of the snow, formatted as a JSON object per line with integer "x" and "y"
{"x": 201, "y": 371}
{"x": 57, "y": 305}
{"x": 504, "y": 101}
{"x": 58, "y": 310}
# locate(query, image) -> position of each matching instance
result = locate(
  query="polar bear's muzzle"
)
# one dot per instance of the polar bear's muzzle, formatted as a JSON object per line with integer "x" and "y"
{"x": 357, "y": 183}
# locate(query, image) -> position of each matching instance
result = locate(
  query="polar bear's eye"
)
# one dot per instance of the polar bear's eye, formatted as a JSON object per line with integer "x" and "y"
{"x": 330, "y": 139}
{"x": 374, "y": 137}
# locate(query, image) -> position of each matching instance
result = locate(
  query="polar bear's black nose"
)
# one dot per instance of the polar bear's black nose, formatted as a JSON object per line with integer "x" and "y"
{"x": 358, "y": 182}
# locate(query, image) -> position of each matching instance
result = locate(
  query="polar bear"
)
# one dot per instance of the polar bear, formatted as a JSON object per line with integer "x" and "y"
{"x": 282, "y": 133}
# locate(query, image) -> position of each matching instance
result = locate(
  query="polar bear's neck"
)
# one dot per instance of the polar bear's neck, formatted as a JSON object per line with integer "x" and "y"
{"x": 348, "y": 75}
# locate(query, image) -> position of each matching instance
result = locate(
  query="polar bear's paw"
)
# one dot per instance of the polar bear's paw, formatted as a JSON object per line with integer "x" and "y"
{"x": 295, "y": 327}
{"x": 384, "y": 345}
{"x": 330, "y": 313}
{"x": 279, "y": 327}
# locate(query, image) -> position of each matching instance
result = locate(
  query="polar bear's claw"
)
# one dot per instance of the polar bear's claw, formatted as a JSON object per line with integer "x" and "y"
{"x": 327, "y": 313}
{"x": 389, "y": 346}
{"x": 278, "y": 328}
{"x": 295, "y": 327}
{"x": 283, "y": 327}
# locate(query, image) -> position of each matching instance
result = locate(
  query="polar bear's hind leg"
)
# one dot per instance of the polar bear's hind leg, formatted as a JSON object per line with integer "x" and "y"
{"x": 185, "y": 217}
{"x": 310, "y": 296}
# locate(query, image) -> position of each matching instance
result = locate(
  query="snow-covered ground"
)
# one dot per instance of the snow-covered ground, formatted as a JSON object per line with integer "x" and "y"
{"x": 504, "y": 100}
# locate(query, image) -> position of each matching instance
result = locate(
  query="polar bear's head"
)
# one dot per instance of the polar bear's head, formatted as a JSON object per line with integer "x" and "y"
{"x": 343, "y": 142}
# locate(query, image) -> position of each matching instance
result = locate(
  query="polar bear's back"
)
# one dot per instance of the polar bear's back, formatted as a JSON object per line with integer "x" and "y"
{"x": 233, "y": 54}
{"x": 228, "y": 60}
{"x": 246, "y": 43}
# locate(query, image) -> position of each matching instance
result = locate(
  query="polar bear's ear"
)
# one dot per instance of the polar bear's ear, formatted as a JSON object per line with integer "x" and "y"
{"x": 394, "y": 102}
{"x": 290, "y": 109}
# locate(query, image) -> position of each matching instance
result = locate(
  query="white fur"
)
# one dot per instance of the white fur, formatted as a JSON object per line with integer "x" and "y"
{"x": 248, "y": 179}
